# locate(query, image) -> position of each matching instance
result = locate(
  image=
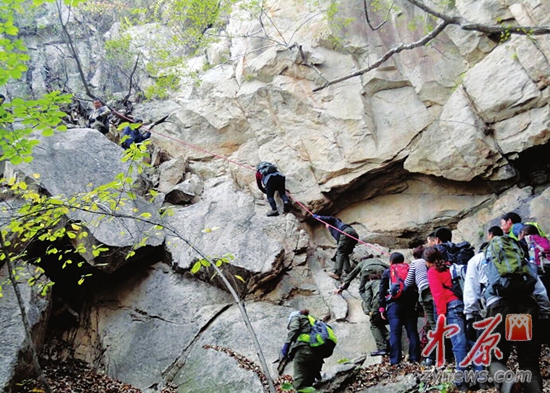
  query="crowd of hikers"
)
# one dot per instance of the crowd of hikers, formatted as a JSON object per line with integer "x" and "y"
{"x": 472, "y": 303}
{"x": 102, "y": 119}
{"x": 469, "y": 300}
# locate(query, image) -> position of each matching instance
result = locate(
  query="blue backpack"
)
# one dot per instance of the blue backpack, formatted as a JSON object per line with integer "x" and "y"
{"x": 265, "y": 168}
{"x": 321, "y": 337}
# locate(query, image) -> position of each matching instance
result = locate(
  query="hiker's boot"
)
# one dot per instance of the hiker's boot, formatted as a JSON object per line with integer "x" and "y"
{"x": 273, "y": 213}
{"x": 287, "y": 207}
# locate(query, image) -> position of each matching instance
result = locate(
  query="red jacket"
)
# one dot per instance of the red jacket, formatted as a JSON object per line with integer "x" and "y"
{"x": 259, "y": 178}
{"x": 440, "y": 284}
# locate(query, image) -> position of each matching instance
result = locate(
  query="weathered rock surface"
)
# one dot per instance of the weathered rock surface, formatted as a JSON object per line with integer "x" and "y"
{"x": 15, "y": 357}
{"x": 77, "y": 161}
{"x": 228, "y": 223}
{"x": 149, "y": 320}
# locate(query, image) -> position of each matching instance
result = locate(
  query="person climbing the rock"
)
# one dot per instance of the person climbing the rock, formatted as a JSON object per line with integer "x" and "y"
{"x": 370, "y": 270}
{"x": 134, "y": 134}
{"x": 346, "y": 244}
{"x": 269, "y": 180}
{"x": 99, "y": 117}
{"x": 448, "y": 305}
{"x": 418, "y": 277}
{"x": 397, "y": 305}
{"x": 307, "y": 361}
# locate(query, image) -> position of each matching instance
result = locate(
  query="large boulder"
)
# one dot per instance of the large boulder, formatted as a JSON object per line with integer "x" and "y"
{"x": 227, "y": 223}
{"x": 72, "y": 163}
{"x": 149, "y": 321}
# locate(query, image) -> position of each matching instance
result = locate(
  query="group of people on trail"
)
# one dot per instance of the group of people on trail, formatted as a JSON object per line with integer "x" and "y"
{"x": 467, "y": 291}
{"x": 466, "y": 297}
{"x": 98, "y": 119}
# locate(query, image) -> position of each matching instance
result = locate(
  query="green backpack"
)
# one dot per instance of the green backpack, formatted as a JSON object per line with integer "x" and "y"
{"x": 507, "y": 269}
{"x": 321, "y": 337}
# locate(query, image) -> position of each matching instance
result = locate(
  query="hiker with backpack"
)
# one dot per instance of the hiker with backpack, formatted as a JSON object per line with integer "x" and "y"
{"x": 491, "y": 233}
{"x": 347, "y": 239}
{"x": 459, "y": 253}
{"x": 447, "y": 303}
{"x": 370, "y": 271}
{"x": 397, "y": 306}
{"x": 537, "y": 246}
{"x": 509, "y": 286}
{"x": 99, "y": 117}
{"x": 269, "y": 180}
{"x": 133, "y": 134}
{"x": 539, "y": 254}
{"x": 418, "y": 277}
{"x": 308, "y": 342}
{"x": 511, "y": 225}
{"x": 474, "y": 310}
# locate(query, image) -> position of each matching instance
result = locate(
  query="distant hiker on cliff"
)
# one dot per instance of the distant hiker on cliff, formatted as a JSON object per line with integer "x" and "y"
{"x": 2, "y": 99}
{"x": 269, "y": 180}
{"x": 99, "y": 117}
{"x": 346, "y": 243}
{"x": 134, "y": 134}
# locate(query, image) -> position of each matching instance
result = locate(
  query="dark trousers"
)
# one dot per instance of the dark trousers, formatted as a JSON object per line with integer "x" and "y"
{"x": 345, "y": 247}
{"x": 528, "y": 351}
{"x": 427, "y": 301}
{"x": 276, "y": 183}
{"x": 379, "y": 331}
{"x": 307, "y": 367}
{"x": 402, "y": 313}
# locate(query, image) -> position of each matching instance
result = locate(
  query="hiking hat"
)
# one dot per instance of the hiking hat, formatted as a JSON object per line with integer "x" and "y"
{"x": 292, "y": 315}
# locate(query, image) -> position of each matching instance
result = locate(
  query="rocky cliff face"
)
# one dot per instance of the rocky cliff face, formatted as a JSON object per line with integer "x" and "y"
{"x": 453, "y": 133}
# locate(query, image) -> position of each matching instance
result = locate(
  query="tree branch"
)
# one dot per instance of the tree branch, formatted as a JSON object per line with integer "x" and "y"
{"x": 427, "y": 38}
{"x": 446, "y": 20}
{"x": 482, "y": 28}
{"x": 73, "y": 50}
{"x": 131, "y": 77}
{"x": 365, "y": 7}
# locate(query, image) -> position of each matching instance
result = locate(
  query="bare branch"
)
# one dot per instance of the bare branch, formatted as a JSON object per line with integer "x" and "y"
{"x": 262, "y": 12}
{"x": 446, "y": 21}
{"x": 131, "y": 77}
{"x": 365, "y": 7}
{"x": 427, "y": 38}
{"x": 482, "y": 28}
{"x": 73, "y": 49}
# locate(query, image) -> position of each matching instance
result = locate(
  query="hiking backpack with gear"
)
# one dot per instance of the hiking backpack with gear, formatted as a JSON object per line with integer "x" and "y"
{"x": 459, "y": 253}
{"x": 458, "y": 274}
{"x": 321, "y": 337}
{"x": 539, "y": 251}
{"x": 398, "y": 275}
{"x": 265, "y": 168}
{"x": 507, "y": 269}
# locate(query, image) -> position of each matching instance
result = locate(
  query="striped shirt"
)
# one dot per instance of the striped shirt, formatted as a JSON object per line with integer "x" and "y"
{"x": 418, "y": 275}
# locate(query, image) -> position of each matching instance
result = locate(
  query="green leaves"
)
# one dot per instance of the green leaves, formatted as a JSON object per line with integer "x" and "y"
{"x": 218, "y": 261}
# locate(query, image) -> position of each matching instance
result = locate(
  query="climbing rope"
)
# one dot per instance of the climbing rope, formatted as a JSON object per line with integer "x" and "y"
{"x": 177, "y": 140}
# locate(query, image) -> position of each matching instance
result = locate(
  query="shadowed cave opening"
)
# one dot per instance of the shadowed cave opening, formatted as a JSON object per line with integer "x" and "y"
{"x": 533, "y": 166}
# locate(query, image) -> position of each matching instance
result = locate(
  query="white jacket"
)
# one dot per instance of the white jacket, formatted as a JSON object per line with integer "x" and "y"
{"x": 475, "y": 284}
